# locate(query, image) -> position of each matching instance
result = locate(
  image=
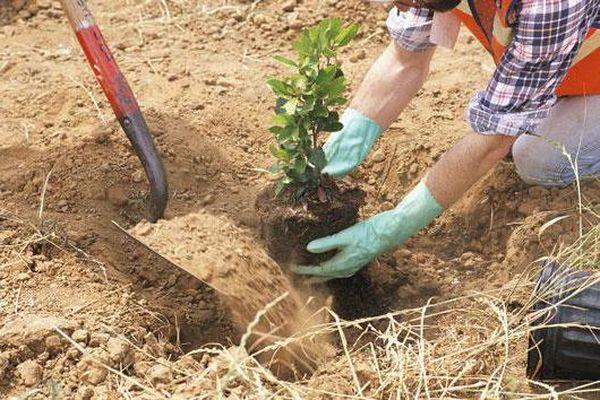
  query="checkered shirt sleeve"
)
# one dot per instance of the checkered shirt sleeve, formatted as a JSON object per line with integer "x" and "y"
{"x": 410, "y": 29}
{"x": 548, "y": 35}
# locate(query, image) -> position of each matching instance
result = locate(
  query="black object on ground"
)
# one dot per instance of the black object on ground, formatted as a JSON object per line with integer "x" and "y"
{"x": 570, "y": 299}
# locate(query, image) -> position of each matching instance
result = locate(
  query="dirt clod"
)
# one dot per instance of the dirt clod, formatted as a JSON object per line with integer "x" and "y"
{"x": 91, "y": 369}
{"x": 119, "y": 351}
{"x": 289, "y": 6}
{"x": 30, "y": 372}
{"x": 81, "y": 336}
{"x": 85, "y": 393}
{"x": 98, "y": 339}
{"x": 53, "y": 343}
{"x": 4, "y": 364}
{"x": 160, "y": 374}
{"x": 117, "y": 196}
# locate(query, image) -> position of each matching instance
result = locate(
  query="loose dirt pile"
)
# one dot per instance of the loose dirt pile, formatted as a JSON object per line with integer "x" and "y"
{"x": 251, "y": 285}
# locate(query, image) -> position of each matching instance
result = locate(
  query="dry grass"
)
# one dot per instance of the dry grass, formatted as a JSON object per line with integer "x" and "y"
{"x": 473, "y": 346}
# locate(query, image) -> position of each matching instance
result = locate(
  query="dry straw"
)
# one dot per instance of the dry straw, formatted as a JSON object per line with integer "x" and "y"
{"x": 474, "y": 346}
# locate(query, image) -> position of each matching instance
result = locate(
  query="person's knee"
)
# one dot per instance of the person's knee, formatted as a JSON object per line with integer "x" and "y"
{"x": 538, "y": 162}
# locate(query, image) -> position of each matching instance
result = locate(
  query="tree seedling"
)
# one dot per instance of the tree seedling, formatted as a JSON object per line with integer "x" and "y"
{"x": 306, "y": 104}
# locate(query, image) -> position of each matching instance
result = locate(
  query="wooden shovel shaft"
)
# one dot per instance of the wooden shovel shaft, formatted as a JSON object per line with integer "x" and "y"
{"x": 121, "y": 98}
{"x": 100, "y": 58}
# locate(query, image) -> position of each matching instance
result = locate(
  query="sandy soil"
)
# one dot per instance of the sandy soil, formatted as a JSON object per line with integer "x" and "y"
{"x": 198, "y": 70}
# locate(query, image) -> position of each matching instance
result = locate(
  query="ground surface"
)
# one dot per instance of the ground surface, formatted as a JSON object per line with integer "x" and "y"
{"x": 198, "y": 70}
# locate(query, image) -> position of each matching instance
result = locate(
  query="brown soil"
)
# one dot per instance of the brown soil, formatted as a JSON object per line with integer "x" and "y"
{"x": 229, "y": 260}
{"x": 198, "y": 72}
{"x": 288, "y": 224}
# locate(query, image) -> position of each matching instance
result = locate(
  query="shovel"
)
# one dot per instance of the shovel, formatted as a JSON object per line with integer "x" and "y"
{"x": 121, "y": 99}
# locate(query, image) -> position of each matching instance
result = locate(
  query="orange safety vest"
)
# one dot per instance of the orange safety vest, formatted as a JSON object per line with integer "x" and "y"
{"x": 491, "y": 24}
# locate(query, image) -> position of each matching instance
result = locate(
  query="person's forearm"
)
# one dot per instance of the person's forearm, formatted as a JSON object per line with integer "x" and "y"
{"x": 464, "y": 164}
{"x": 391, "y": 82}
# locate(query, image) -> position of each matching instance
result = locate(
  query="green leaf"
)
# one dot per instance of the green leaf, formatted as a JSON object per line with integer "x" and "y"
{"x": 346, "y": 35}
{"x": 302, "y": 45}
{"x": 285, "y": 61}
{"x": 283, "y": 119}
{"x": 284, "y": 133}
{"x": 336, "y": 101}
{"x": 278, "y": 86}
{"x": 334, "y": 28}
{"x": 290, "y": 106}
{"x": 279, "y": 186}
{"x": 337, "y": 87}
{"x": 326, "y": 75}
{"x": 316, "y": 158}
{"x": 282, "y": 154}
{"x": 275, "y": 168}
{"x": 300, "y": 165}
{"x": 333, "y": 126}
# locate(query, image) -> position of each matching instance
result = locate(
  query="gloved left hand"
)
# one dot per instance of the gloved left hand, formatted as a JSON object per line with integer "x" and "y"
{"x": 364, "y": 241}
{"x": 347, "y": 148}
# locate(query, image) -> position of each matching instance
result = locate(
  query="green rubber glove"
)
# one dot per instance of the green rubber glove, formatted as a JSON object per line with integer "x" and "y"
{"x": 364, "y": 241}
{"x": 347, "y": 148}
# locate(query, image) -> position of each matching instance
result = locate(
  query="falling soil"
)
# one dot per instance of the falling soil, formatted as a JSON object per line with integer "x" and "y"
{"x": 289, "y": 224}
{"x": 249, "y": 282}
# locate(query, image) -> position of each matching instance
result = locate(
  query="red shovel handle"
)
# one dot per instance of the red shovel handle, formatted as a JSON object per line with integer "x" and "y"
{"x": 121, "y": 99}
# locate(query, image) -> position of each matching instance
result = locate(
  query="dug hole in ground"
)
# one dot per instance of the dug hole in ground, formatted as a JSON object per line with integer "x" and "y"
{"x": 88, "y": 312}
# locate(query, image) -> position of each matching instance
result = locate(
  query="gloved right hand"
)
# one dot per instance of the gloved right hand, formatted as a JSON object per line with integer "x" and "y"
{"x": 362, "y": 242}
{"x": 347, "y": 148}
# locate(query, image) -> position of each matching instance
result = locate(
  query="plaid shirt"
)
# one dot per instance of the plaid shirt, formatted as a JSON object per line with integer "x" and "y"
{"x": 547, "y": 36}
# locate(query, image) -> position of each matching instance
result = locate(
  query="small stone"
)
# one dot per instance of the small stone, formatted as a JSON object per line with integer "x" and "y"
{"x": 159, "y": 373}
{"x": 61, "y": 203}
{"x": 85, "y": 393}
{"x": 137, "y": 176}
{"x": 293, "y": 21}
{"x": 378, "y": 156}
{"x": 118, "y": 350}
{"x": 73, "y": 354}
{"x": 206, "y": 200}
{"x": 53, "y": 342}
{"x": 30, "y": 372}
{"x": 90, "y": 369}
{"x": 358, "y": 55}
{"x": 22, "y": 277}
{"x": 289, "y": 6}
{"x": 414, "y": 168}
{"x": 144, "y": 230}
{"x": 141, "y": 368}
{"x": 80, "y": 336}
{"x": 225, "y": 82}
{"x": 467, "y": 255}
{"x": 98, "y": 339}
{"x": 117, "y": 196}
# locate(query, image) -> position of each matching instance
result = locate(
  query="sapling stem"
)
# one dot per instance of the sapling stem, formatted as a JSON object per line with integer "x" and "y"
{"x": 309, "y": 99}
